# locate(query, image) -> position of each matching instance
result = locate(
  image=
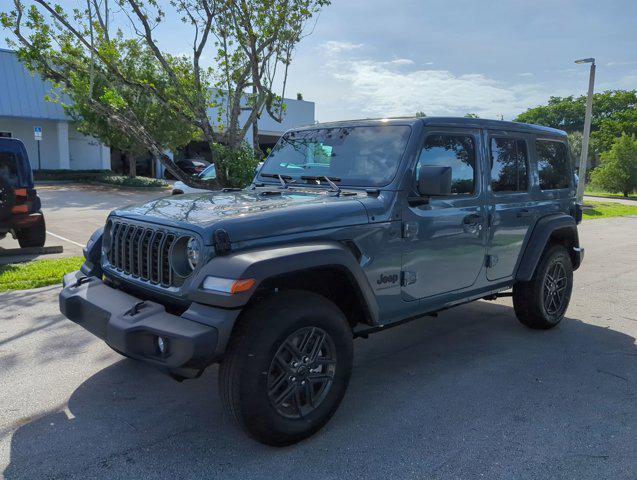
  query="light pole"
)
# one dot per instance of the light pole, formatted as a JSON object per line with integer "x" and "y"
{"x": 587, "y": 129}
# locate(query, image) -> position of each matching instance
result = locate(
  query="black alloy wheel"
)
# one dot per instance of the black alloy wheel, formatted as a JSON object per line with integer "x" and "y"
{"x": 302, "y": 372}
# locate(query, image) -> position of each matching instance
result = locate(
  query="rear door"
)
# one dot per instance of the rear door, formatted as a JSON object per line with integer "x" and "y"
{"x": 511, "y": 208}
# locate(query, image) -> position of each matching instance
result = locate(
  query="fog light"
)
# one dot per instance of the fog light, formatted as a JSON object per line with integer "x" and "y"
{"x": 162, "y": 345}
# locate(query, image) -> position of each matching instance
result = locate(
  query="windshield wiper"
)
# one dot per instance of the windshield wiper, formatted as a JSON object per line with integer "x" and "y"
{"x": 284, "y": 179}
{"x": 330, "y": 180}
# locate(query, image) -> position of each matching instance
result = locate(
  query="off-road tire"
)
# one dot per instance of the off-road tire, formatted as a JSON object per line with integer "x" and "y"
{"x": 536, "y": 302}
{"x": 257, "y": 339}
{"x": 34, "y": 236}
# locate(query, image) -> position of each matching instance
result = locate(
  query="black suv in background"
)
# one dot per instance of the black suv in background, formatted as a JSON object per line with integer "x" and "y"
{"x": 20, "y": 205}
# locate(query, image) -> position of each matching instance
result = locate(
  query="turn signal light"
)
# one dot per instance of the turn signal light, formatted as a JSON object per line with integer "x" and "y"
{"x": 228, "y": 285}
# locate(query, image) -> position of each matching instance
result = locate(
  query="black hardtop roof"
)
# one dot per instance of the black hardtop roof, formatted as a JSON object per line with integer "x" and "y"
{"x": 444, "y": 121}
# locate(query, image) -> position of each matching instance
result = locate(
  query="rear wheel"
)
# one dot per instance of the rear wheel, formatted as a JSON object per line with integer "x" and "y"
{"x": 542, "y": 302}
{"x": 34, "y": 235}
{"x": 287, "y": 367}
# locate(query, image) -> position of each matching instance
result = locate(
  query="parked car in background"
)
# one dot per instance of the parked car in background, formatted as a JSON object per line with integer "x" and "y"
{"x": 191, "y": 166}
{"x": 20, "y": 213}
{"x": 210, "y": 173}
{"x": 348, "y": 229}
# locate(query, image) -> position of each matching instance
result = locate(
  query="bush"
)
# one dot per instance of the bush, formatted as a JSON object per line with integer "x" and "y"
{"x": 618, "y": 169}
{"x": 139, "y": 182}
{"x": 97, "y": 176}
{"x": 239, "y": 165}
{"x": 73, "y": 175}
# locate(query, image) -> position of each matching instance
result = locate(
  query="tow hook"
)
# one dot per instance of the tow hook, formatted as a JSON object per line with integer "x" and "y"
{"x": 134, "y": 310}
{"x": 81, "y": 281}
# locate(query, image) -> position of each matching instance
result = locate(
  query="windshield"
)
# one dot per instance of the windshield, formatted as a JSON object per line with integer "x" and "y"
{"x": 209, "y": 173}
{"x": 356, "y": 156}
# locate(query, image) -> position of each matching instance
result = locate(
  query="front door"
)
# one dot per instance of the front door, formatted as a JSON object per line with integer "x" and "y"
{"x": 445, "y": 239}
{"x": 511, "y": 207}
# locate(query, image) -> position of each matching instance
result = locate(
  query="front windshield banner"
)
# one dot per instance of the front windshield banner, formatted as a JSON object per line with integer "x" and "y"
{"x": 355, "y": 156}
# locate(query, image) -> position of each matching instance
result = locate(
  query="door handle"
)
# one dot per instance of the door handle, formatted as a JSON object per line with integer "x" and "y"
{"x": 524, "y": 213}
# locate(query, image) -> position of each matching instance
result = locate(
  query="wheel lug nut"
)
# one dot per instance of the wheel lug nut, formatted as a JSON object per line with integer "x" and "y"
{"x": 292, "y": 379}
{"x": 303, "y": 382}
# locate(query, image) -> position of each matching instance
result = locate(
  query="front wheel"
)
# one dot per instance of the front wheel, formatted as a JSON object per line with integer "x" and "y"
{"x": 542, "y": 302}
{"x": 287, "y": 367}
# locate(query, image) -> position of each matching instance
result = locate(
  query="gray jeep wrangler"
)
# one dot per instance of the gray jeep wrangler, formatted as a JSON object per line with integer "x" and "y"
{"x": 348, "y": 228}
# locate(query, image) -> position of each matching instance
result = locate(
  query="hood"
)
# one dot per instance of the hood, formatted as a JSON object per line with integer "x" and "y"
{"x": 251, "y": 214}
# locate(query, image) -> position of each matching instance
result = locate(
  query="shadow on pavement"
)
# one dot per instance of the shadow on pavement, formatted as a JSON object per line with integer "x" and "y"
{"x": 470, "y": 393}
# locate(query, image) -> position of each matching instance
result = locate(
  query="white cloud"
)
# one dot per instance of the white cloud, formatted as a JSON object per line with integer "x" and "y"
{"x": 335, "y": 47}
{"x": 389, "y": 88}
{"x": 526, "y": 74}
{"x": 402, "y": 61}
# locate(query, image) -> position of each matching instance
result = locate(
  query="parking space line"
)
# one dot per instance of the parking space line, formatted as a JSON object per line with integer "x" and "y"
{"x": 65, "y": 239}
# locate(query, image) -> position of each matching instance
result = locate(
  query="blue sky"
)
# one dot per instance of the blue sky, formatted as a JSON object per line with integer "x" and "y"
{"x": 368, "y": 58}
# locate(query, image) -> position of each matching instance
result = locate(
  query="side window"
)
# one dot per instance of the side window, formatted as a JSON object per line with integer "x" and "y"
{"x": 552, "y": 165}
{"x": 8, "y": 168}
{"x": 455, "y": 151}
{"x": 509, "y": 165}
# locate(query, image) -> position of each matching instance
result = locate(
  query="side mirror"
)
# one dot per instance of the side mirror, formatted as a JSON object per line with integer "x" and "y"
{"x": 434, "y": 181}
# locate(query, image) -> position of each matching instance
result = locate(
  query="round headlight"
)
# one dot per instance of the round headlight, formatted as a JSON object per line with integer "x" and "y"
{"x": 193, "y": 252}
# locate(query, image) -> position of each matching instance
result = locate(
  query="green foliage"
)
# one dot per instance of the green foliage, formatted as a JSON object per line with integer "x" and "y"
{"x": 420, "y": 114}
{"x": 126, "y": 91}
{"x": 39, "y": 273}
{"x": 472, "y": 115}
{"x": 76, "y": 175}
{"x": 239, "y": 164}
{"x": 618, "y": 170}
{"x": 596, "y": 210}
{"x": 137, "y": 182}
{"x": 98, "y": 176}
{"x": 614, "y": 113}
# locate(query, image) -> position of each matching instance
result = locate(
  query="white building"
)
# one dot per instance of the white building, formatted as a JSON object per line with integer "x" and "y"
{"x": 23, "y": 108}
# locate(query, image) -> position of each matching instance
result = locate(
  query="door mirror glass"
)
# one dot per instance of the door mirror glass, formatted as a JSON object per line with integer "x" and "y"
{"x": 434, "y": 181}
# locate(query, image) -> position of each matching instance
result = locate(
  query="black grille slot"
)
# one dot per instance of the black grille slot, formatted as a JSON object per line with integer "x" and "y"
{"x": 142, "y": 252}
{"x": 166, "y": 271}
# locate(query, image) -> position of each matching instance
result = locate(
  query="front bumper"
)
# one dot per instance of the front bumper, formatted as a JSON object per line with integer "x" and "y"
{"x": 131, "y": 326}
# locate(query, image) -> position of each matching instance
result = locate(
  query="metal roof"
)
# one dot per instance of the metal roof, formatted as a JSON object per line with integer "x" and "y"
{"x": 22, "y": 93}
{"x": 442, "y": 122}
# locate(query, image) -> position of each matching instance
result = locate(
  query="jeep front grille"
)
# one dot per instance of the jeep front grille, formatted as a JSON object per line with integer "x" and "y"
{"x": 142, "y": 252}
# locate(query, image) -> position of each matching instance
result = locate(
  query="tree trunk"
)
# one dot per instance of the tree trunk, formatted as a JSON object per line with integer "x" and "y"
{"x": 255, "y": 126}
{"x": 132, "y": 165}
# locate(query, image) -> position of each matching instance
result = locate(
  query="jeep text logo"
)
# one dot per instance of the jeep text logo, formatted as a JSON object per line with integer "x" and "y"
{"x": 385, "y": 279}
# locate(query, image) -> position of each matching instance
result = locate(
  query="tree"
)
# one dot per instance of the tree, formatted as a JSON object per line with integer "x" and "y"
{"x": 618, "y": 170}
{"x": 614, "y": 113}
{"x": 420, "y": 114}
{"x": 170, "y": 131}
{"x": 256, "y": 39}
{"x": 471, "y": 115}
{"x": 88, "y": 49}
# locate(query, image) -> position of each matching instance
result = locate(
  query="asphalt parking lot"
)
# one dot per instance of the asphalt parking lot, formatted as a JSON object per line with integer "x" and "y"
{"x": 470, "y": 394}
{"x": 73, "y": 212}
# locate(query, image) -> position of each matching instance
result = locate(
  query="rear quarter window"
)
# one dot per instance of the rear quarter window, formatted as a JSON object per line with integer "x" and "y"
{"x": 9, "y": 168}
{"x": 553, "y": 166}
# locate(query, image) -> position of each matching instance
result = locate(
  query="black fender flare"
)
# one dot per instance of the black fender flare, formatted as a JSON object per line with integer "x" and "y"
{"x": 555, "y": 224}
{"x": 268, "y": 262}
